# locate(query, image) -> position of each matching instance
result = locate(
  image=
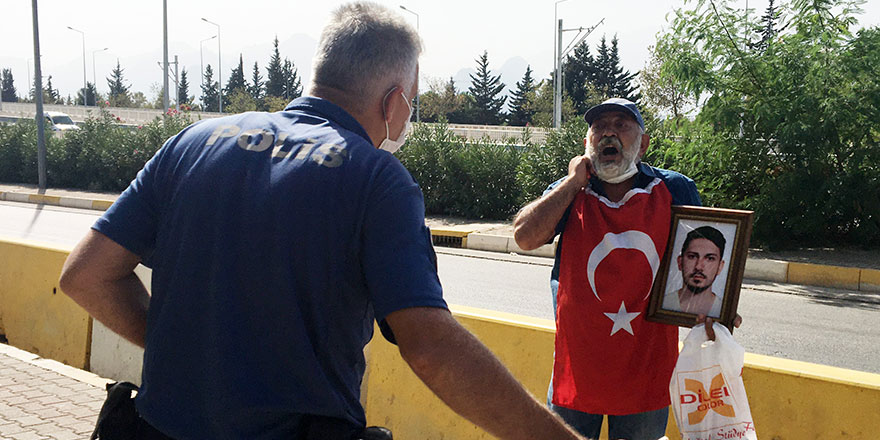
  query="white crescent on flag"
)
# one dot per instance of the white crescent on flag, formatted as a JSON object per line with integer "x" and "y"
{"x": 637, "y": 240}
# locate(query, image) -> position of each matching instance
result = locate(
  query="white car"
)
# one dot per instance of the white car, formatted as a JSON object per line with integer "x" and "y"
{"x": 60, "y": 122}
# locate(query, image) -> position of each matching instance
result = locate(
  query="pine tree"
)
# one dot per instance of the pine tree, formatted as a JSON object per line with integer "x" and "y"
{"x": 610, "y": 78}
{"x": 275, "y": 74}
{"x": 91, "y": 95}
{"x": 119, "y": 92}
{"x": 210, "y": 91}
{"x": 768, "y": 27}
{"x": 255, "y": 88}
{"x": 235, "y": 82}
{"x": 578, "y": 72}
{"x": 183, "y": 89}
{"x": 292, "y": 83}
{"x": 522, "y": 102}
{"x": 7, "y": 86}
{"x": 485, "y": 89}
{"x": 50, "y": 94}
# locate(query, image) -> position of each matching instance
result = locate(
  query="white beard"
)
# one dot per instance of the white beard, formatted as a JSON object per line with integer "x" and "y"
{"x": 619, "y": 170}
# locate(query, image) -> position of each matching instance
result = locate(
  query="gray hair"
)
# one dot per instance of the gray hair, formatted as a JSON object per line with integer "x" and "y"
{"x": 365, "y": 49}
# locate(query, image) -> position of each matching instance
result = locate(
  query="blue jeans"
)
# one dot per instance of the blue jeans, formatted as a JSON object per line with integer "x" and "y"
{"x": 649, "y": 425}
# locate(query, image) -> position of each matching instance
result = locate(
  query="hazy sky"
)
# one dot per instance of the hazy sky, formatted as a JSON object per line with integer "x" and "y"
{"x": 455, "y": 33}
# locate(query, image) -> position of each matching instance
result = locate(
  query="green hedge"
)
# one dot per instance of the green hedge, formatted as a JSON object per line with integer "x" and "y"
{"x": 794, "y": 206}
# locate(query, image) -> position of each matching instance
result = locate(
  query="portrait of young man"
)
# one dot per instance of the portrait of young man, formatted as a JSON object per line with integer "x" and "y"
{"x": 700, "y": 262}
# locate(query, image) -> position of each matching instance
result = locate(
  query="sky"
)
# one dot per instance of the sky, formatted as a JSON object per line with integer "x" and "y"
{"x": 514, "y": 33}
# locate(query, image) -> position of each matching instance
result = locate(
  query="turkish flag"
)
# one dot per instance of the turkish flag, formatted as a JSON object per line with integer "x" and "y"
{"x": 609, "y": 359}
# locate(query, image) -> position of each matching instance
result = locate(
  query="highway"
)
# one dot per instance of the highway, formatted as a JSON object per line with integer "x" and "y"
{"x": 818, "y": 325}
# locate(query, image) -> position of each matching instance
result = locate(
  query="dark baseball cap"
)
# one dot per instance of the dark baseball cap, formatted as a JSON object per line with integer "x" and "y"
{"x": 615, "y": 104}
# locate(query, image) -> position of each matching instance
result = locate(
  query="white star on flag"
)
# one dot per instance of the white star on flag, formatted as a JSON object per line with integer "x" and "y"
{"x": 622, "y": 320}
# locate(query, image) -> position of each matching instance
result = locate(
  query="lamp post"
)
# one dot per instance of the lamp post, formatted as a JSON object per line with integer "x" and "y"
{"x": 202, "y": 59}
{"x": 219, "y": 66}
{"x": 94, "y": 75}
{"x": 418, "y": 118}
{"x": 84, "y": 60}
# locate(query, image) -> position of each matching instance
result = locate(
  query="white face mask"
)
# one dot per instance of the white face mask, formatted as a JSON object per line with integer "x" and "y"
{"x": 614, "y": 172}
{"x": 392, "y": 146}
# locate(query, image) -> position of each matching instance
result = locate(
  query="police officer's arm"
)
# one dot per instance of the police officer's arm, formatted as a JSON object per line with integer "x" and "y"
{"x": 99, "y": 276}
{"x": 536, "y": 224}
{"x": 463, "y": 373}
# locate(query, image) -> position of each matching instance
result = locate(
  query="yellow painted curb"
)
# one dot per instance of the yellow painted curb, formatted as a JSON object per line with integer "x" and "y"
{"x": 42, "y": 198}
{"x": 870, "y": 280}
{"x": 101, "y": 205}
{"x": 820, "y": 275}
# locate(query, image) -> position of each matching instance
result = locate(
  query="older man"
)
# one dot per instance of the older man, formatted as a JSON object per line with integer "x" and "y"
{"x": 700, "y": 262}
{"x": 614, "y": 214}
{"x": 275, "y": 240}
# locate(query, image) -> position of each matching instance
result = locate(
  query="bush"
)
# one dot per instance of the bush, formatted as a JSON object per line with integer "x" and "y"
{"x": 101, "y": 156}
{"x": 544, "y": 164}
{"x": 474, "y": 179}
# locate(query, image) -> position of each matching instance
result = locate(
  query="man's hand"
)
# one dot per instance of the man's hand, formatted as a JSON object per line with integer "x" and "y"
{"x": 579, "y": 171}
{"x": 535, "y": 224}
{"x": 710, "y": 332}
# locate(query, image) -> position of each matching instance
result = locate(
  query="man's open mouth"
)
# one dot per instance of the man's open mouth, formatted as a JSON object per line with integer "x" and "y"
{"x": 609, "y": 151}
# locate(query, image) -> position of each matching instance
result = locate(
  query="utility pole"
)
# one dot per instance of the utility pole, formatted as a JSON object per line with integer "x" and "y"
{"x": 560, "y": 56}
{"x": 165, "y": 55}
{"x": 38, "y": 97}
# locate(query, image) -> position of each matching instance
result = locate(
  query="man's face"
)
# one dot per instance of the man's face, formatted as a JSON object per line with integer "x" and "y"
{"x": 614, "y": 141}
{"x": 699, "y": 264}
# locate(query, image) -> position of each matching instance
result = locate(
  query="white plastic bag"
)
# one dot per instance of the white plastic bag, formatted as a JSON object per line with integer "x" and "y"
{"x": 708, "y": 396}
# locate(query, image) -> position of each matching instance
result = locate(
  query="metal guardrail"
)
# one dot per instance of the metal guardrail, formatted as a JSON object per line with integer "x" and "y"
{"x": 132, "y": 116}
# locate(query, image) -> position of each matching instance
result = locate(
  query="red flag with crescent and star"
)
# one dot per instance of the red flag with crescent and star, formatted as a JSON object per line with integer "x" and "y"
{"x": 609, "y": 359}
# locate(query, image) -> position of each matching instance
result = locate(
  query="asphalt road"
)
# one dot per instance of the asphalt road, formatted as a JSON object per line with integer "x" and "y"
{"x": 819, "y": 325}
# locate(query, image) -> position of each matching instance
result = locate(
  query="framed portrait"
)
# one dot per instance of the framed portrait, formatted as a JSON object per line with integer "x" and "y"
{"x": 702, "y": 269}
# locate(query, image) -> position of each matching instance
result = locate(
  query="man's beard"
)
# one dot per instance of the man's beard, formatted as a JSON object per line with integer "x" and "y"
{"x": 696, "y": 289}
{"x": 617, "y": 171}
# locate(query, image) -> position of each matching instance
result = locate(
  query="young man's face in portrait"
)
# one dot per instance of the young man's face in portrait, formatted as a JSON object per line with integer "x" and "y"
{"x": 700, "y": 264}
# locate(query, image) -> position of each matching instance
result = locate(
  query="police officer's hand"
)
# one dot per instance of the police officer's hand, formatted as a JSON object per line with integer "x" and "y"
{"x": 579, "y": 171}
{"x": 710, "y": 332}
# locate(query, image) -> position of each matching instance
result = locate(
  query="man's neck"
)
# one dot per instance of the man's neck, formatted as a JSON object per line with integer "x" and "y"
{"x": 616, "y": 191}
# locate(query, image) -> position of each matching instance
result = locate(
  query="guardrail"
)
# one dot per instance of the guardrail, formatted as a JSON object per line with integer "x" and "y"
{"x": 789, "y": 399}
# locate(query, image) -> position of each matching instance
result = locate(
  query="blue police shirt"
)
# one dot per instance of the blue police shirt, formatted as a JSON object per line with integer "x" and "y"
{"x": 275, "y": 239}
{"x": 681, "y": 187}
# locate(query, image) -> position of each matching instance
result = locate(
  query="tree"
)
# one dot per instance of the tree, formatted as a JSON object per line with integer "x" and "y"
{"x": 522, "y": 103}
{"x": 7, "y": 86}
{"x": 579, "y": 74}
{"x": 485, "y": 89}
{"x": 441, "y": 101}
{"x": 235, "y": 82}
{"x": 544, "y": 106}
{"x": 255, "y": 88}
{"x": 275, "y": 74}
{"x": 788, "y": 132}
{"x": 119, "y": 91}
{"x": 241, "y": 101}
{"x": 50, "y": 94}
{"x": 210, "y": 91}
{"x": 767, "y": 28}
{"x": 611, "y": 79}
{"x": 291, "y": 81}
{"x": 183, "y": 96}
{"x": 91, "y": 95}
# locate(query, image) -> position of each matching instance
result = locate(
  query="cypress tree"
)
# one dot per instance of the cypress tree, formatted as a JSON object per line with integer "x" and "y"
{"x": 7, "y": 86}
{"x": 522, "y": 102}
{"x": 210, "y": 91}
{"x": 119, "y": 92}
{"x": 275, "y": 74}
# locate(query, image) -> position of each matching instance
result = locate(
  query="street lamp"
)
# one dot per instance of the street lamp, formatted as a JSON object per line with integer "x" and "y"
{"x": 418, "y": 119}
{"x": 84, "y": 60}
{"x": 94, "y": 75}
{"x": 219, "y": 66}
{"x": 202, "y": 58}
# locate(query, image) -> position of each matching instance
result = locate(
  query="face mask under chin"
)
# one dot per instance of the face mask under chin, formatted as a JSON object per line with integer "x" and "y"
{"x": 618, "y": 172}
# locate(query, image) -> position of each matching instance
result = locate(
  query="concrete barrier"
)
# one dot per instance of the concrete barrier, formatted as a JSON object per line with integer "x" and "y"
{"x": 36, "y": 315}
{"x": 789, "y": 399}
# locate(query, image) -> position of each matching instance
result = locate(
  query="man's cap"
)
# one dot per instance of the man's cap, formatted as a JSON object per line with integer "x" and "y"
{"x": 615, "y": 104}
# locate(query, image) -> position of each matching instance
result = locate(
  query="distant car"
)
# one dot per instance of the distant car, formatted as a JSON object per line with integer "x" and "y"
{"x": 60, "y": 122}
